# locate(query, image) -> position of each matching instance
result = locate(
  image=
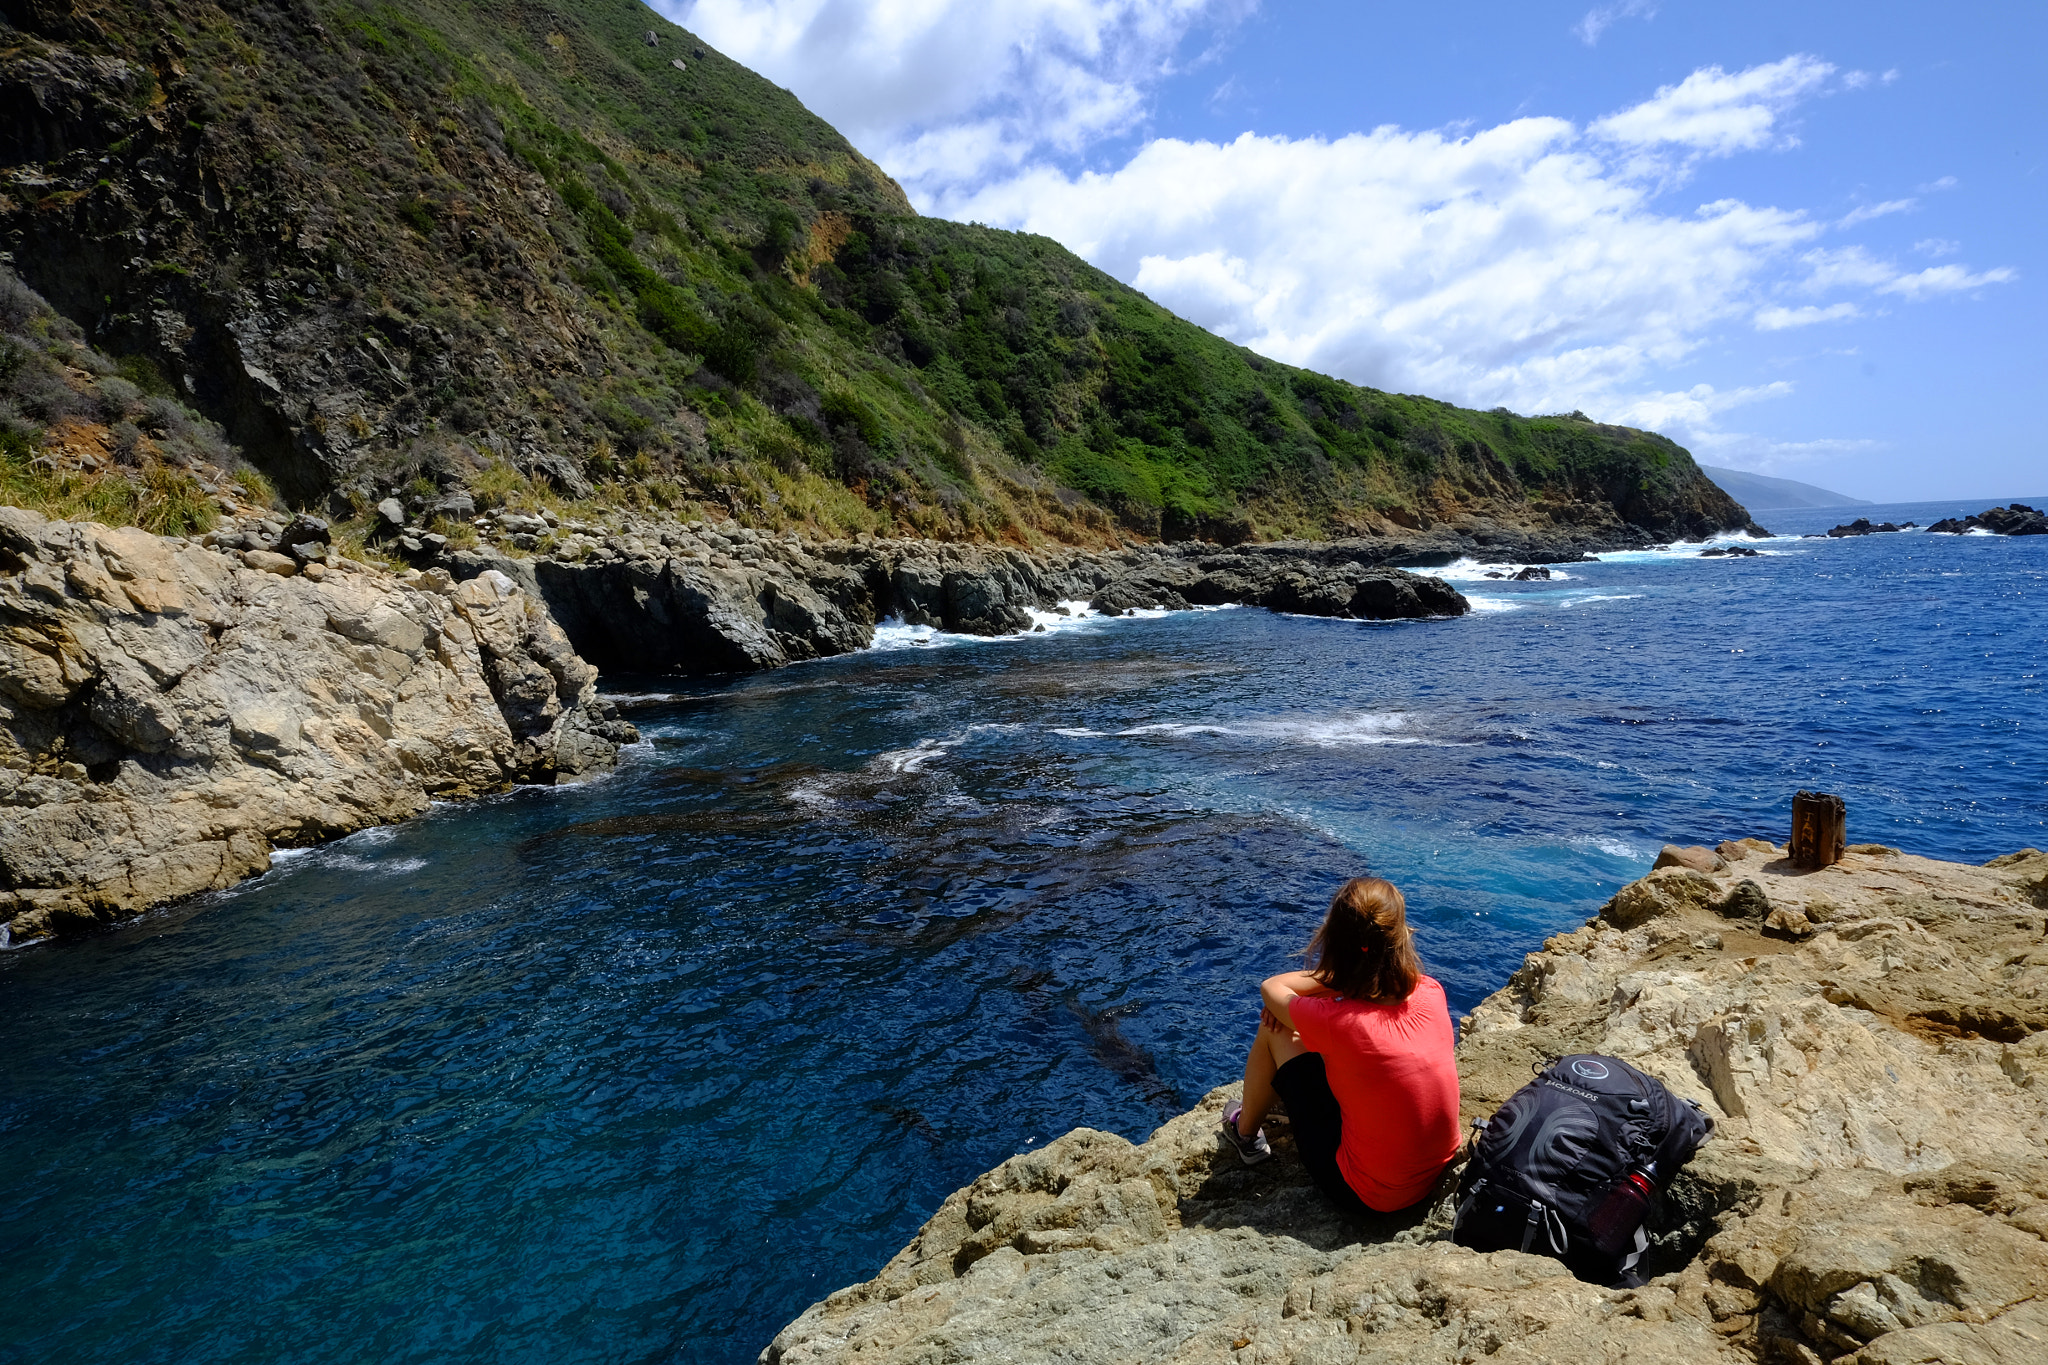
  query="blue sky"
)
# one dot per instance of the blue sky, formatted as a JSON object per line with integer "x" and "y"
{"x": 1800, "y": 239}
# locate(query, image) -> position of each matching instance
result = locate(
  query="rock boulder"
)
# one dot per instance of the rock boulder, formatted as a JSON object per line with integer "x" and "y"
{"x": 169, "y": 714}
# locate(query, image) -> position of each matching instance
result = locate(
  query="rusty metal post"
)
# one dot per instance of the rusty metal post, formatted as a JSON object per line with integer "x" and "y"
{"x": 1819, "y": 830}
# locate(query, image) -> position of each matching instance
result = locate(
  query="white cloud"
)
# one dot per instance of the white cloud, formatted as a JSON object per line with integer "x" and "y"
{"x": 1697, "y": 407}
{"x": 1604, "y": 17}
{"x": 1944, "y": 279}
{"x": 1947, "y": 182}
{"x": 1718, "y": 113}
{"x": 1538, "y": 263}
{"x": 1777, "y": 318}
{"x": 1516, "y": 265}
{"x": 1937, "y": 247}
{"x": 1863, "y": 213}
{"x": 1855, "y": 268}
{"x": 945, "y": 92}
{"x": 1849, "y": 268}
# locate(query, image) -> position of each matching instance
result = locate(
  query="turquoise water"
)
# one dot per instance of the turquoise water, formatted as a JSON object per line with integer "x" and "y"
{"x": 636, "y": 1071}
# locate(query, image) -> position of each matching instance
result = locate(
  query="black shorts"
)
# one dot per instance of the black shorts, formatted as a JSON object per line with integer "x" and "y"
{"x": 1318, "y": 1126}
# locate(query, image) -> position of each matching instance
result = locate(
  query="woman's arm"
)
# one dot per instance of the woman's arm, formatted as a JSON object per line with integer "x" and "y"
{"x": 1277, "y": 992}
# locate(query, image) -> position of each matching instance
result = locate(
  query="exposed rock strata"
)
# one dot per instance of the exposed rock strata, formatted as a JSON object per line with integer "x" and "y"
{"x": 1871, "y": 1039}
{"x": 713, "y": 599}
{"x": 169, "y": 712}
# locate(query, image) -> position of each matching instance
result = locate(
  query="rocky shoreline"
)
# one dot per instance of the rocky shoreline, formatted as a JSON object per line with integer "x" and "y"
{"x": 171, "y": 709}
{"x": 1871, "y": 1040}
{"x": 699, "y": 597}
{"x": 170, "y": 713}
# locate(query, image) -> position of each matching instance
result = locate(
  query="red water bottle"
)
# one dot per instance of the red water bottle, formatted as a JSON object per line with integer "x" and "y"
{"x": 1625, "y": 1208}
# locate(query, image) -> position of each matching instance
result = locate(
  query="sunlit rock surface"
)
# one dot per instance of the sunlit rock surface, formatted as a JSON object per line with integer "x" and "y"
{"x": 170, "y": 713}
{"x": 1871, "y": 1040}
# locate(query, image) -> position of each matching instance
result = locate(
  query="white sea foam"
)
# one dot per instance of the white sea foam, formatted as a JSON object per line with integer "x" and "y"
{"x": 811, "y": 792}
{"x": 1166, "y": 728}
{"x": 1334, "y": 732}
{"x": 1577, "y": 601}
{"x": 1069, "y": 616}
{"x": 910, "y": 760}
{"x": 1472, "y": 571}
{"x": 1608, "y": 844}
{"x": 1487, "y": 604}
{"x": 913, "y": 759}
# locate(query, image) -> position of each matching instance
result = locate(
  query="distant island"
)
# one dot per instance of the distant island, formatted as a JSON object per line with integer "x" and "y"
{"x": 1760, "y": 493}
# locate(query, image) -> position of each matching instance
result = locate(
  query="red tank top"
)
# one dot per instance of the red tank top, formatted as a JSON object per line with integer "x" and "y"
{"x": 1394, "y": 1071}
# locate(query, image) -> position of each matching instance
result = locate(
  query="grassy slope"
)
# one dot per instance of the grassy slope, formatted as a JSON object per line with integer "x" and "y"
{"x": 419, "y": 244}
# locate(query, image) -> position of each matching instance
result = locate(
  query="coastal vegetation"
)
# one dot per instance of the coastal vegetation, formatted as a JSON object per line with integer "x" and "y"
{"x": 86, "y": 439}
{"x": 415, "y": 245}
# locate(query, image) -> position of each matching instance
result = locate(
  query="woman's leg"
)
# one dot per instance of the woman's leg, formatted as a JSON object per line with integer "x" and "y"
{"x": 1318, "y": 1127}
{"x": 1271, "y": 1049}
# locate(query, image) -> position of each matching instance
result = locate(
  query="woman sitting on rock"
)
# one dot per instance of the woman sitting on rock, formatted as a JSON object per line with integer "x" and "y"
{"x": 1361, "y": 1050}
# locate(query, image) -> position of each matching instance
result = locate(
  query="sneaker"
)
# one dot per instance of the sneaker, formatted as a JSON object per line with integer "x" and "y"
{"x": 1250, "y": 1150}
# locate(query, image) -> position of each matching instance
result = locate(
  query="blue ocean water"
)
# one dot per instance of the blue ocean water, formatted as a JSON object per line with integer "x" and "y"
{"x": 635, "y": 1071}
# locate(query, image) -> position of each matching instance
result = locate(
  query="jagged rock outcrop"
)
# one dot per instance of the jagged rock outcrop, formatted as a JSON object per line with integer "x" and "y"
{"x": 1862, "y": 526}
{"x": 169, "y": 712}
{"x": 2016, "y": 520}
{"x": 717, "y": 599}
{"x": 1871, "y": 1039}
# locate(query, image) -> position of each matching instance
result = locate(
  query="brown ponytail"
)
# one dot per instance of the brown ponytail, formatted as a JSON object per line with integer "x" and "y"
{"x": 1364, "y": 950}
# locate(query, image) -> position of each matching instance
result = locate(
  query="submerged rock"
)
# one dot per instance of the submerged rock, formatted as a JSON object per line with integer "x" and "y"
{"x": 1876, "y": 1189}
{"x": 170, "y": 713}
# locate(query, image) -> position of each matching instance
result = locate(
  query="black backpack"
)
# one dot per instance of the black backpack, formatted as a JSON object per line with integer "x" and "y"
{"x": 1571, "y": 1165}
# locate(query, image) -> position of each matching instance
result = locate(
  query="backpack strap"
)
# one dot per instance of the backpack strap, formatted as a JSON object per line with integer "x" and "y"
{"x": 1471, "y": 1198}
{"x": 1535, "y": 1221}
{"x": 1554, "y": 1228}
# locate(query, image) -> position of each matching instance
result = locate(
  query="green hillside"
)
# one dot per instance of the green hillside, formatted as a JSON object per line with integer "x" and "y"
{"x": 521, "y": 248}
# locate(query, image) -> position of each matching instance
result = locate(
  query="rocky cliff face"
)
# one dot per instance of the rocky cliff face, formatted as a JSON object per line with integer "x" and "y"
{"x": 1872, "y": 1041}
{"x": 169, "y": 713}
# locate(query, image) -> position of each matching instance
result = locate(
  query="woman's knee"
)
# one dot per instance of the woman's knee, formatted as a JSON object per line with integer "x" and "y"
{"x": 1284, "y": 1044}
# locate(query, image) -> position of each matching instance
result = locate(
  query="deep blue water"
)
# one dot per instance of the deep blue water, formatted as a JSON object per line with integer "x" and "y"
{"x": 635, "y": 1071}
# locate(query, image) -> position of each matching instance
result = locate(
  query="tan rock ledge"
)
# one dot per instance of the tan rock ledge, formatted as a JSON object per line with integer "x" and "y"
{"x": 1871, "y": 1039}
{"x": 169, "y": 714}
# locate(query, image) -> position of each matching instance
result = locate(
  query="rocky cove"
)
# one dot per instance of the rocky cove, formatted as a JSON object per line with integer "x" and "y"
{"x": 169, "y": 714}
{"x": 1868, "y": 1038}
{"x": 173, "y": 709}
